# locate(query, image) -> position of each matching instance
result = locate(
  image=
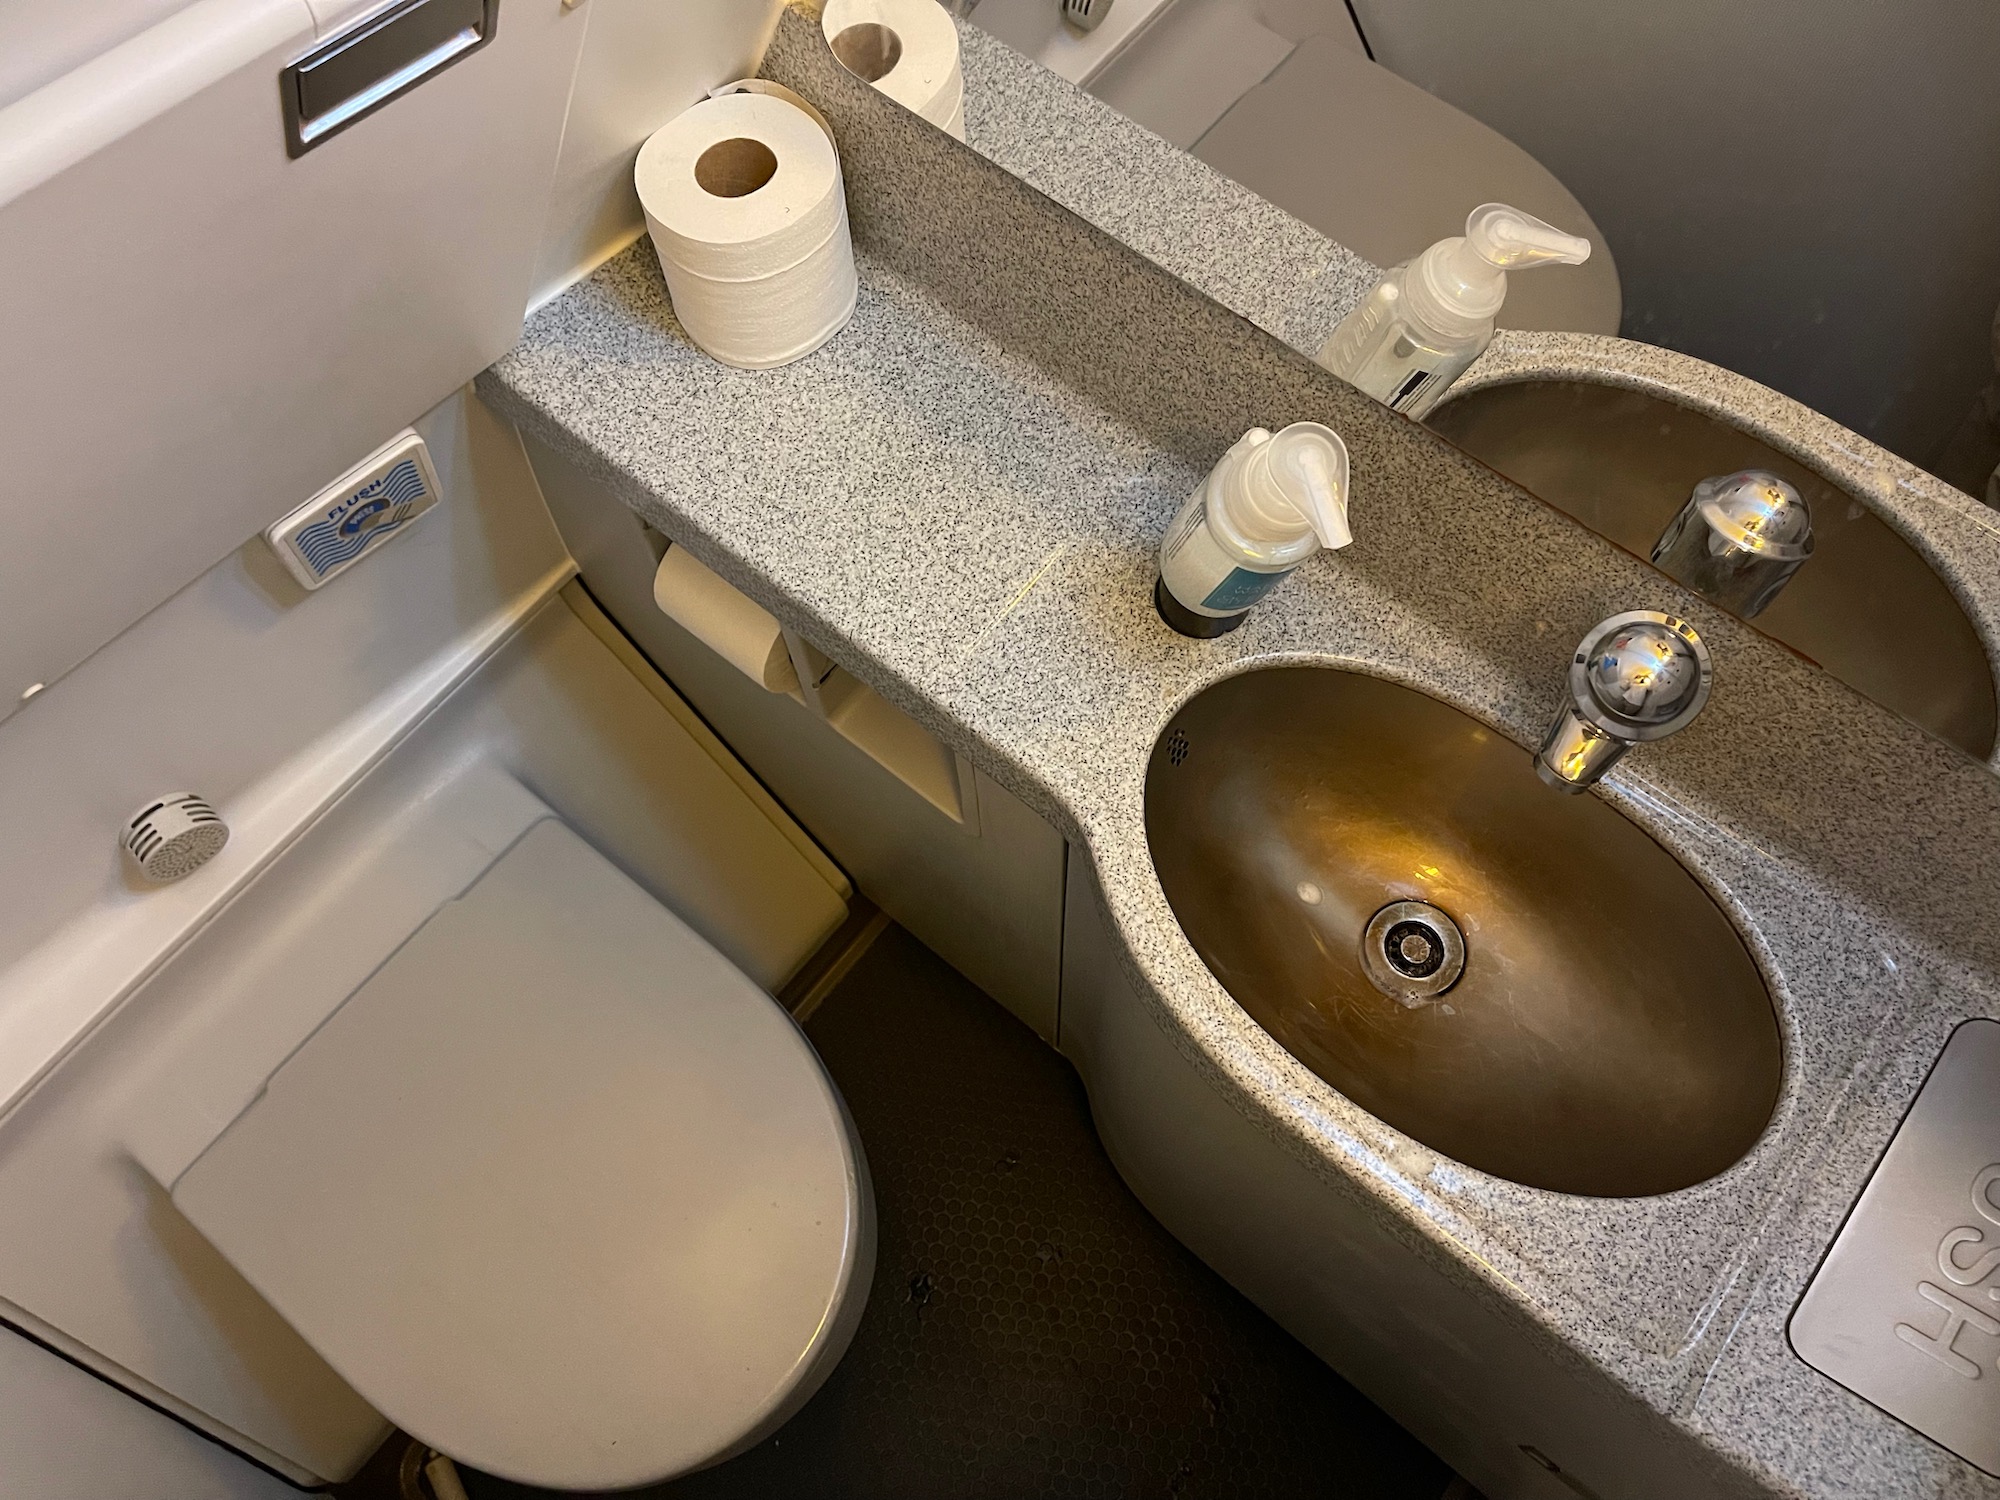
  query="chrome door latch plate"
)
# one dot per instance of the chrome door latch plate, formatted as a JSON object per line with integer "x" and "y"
{"x": 380, "y": 57}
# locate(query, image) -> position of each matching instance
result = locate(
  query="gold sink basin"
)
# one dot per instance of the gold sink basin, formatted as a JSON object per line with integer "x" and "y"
{"x": 1607, "y": 1034}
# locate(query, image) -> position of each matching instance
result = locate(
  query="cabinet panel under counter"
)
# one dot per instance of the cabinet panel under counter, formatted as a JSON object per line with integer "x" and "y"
{"x": 979, "y": 881}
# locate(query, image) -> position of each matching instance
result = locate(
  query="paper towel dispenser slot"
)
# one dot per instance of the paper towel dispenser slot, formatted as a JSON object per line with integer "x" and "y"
{"x": 747, "y": 636}
{"x": 387, "y": 55}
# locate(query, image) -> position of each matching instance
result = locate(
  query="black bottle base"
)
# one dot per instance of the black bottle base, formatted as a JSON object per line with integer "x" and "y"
{"x": 1185, "y": 620}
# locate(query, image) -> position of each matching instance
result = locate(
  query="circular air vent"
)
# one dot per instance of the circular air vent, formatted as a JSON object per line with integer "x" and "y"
{"x": 174, "y": 836}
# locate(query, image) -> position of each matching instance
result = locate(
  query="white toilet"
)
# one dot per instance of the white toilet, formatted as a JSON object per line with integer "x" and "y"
{"x": 558, "y": 1189}
{"x": 443, "y": 1118}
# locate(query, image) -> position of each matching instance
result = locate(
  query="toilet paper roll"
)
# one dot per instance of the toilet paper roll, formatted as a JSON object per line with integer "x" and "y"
{"x": 950, "y": 114}
{"x": 730, "y": 623}
{"x": 776, "y": 91}
{"x": 953, "y": 124}
{"x": 744, "y": 199}
{"x": 908, "y": 49}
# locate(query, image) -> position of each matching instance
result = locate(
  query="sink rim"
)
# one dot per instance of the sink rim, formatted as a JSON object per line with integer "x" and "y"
{"x": 1279, "y": 1078}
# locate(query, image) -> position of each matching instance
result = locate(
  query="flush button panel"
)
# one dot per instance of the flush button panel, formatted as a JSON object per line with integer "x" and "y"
{"x": 368, "y": 505}
{"x": 1905, "y": 1311}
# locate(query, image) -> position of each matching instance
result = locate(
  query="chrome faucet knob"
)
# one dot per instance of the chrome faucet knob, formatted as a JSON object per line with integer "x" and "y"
{"x": 1757, "y": 512}
{"x": 1635, "y": 677}
{"x": 1644, "y": 673}
{"x": 1738, "y": 540}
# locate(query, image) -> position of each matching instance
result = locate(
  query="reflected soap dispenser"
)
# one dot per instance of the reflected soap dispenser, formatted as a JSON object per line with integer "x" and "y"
{"x": 1267, "y": 505}
{"x": 1429, "y": 318}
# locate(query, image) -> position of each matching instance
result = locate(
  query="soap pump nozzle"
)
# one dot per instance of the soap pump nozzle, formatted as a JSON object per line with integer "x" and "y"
{"x": 1429, "y": 318}
{"x": 1294, "y": 483}
{"x": 1266, "y": 506}
{"x": 1462, "y": 282}
{"x": 1507, "y": 238}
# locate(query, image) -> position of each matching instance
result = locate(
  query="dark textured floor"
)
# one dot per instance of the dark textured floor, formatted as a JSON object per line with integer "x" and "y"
{"x": 1032, "y": 1331}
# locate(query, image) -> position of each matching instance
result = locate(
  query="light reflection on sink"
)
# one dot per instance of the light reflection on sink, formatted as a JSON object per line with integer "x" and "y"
{"x": 1609, "y": 1035}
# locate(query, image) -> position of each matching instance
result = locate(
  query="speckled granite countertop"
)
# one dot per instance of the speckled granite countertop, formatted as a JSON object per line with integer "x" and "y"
{"x": 959, "y": 499}
{"x": 1180, "y": 213}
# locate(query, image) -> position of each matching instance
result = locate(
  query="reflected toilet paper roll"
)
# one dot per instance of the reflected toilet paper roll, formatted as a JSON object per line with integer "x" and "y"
{"x": 744, "y": 199}
{"x": 953, "y": 124}
{"x": 907, "y": 49}
{"x": 730, "y": 623}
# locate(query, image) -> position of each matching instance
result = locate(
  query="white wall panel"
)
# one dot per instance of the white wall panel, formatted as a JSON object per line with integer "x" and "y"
{"x": 40, "y": 40}
{"x": 644, "y": 61}
{"x": 201, "y": 331}
{"x": 238, "y": 686}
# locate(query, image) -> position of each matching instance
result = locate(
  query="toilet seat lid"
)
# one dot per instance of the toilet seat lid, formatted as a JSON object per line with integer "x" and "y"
{"x": 558, "y": 1189}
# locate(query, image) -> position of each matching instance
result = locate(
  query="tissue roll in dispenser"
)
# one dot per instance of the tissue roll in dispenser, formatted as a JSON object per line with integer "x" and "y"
{"x": 744, "y": 199}
{"x": 731, "y": 624}
{"x": 919, "y": 68}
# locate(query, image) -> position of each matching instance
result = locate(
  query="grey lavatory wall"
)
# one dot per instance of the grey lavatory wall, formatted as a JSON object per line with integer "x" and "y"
{"x": 1806, "y": 194}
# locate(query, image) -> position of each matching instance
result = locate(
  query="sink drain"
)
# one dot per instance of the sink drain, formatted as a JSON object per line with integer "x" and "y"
{"x": 1412, "y": 952}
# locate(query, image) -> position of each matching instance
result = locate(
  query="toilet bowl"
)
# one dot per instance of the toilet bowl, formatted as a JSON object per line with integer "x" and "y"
{"x": 558, "y": 1189}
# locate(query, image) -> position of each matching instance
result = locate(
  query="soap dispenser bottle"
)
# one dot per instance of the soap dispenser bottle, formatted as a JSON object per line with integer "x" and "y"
{"x": 1267, "y": 505}
{"x": 1429, "y": 318}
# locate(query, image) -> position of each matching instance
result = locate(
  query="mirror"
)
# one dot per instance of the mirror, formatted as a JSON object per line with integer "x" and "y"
{"x": 1863, "y": 604}
{"x": 1770, "y": 206}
